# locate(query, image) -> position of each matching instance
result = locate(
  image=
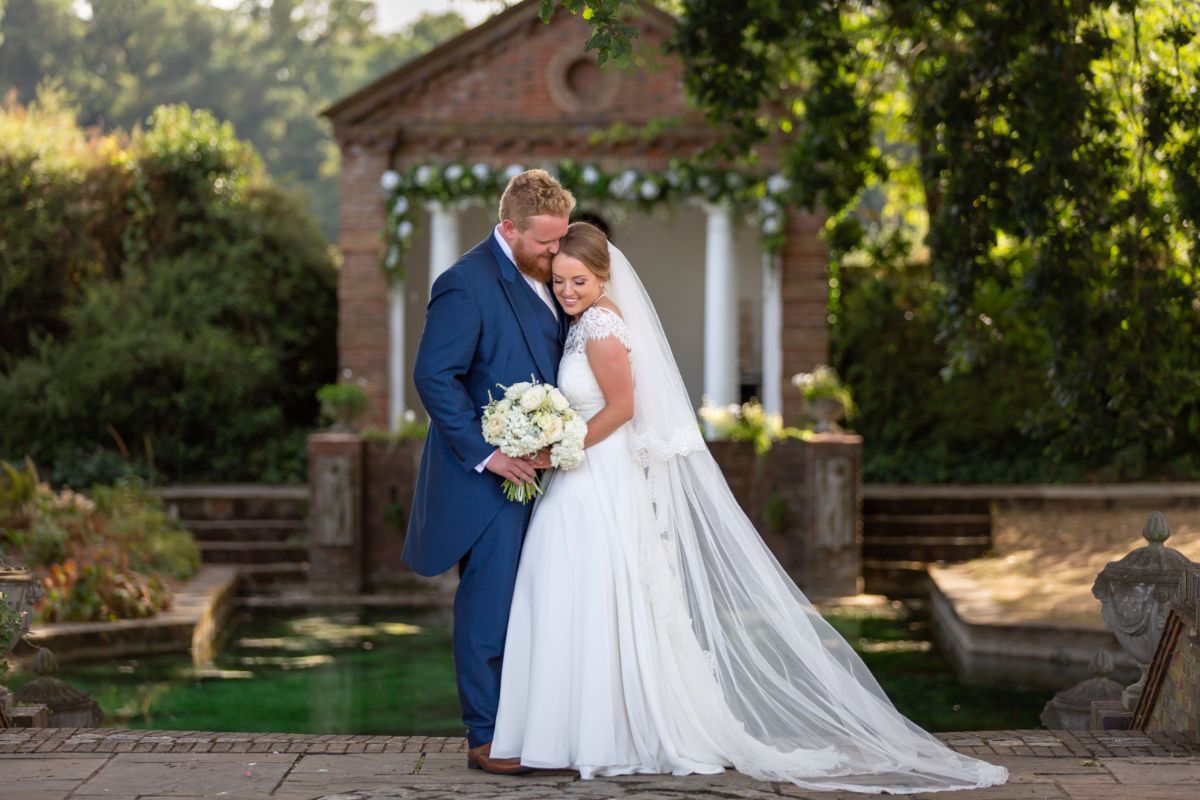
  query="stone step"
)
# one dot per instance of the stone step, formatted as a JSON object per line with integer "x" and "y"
{"x": 272, "y": 579}
{"x": 935, "y": 549}
{"x": 940, "y": 506}
{"x": 247, "y": 530}
{"x": 236, "y": 502}
{"x": 252, "y": 552}
{"x": 895, "y": 579}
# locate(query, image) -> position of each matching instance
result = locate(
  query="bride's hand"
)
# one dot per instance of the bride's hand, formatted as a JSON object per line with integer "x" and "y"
{"x": 540, "y": 459}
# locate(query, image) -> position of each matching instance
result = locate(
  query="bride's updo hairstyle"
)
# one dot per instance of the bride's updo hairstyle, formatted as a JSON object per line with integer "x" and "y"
{"x": 587, "y": 243}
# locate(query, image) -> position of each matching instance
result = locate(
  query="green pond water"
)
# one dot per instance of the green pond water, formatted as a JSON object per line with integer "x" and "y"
{"x": 380, "y": 672}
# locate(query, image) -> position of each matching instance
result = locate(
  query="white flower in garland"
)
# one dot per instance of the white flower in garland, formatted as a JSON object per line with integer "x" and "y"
{"x": 674, "y": 179}
{"x": 424, "y": 175}
{"x": 768, "y": 207}
{"x": 772, "y": 225}
{"x": 404, "y": 230}
{"x": 389, "y": 180}
{"x": 623, "y": 184}
{"x": 400, "y": 206}
{"x": 649, "y": 190}
{"x": 512, "y": 171}
{"x": 778, "y": 184}
{"x": 590, "y": 175}
{"x": 481, "y": 171}
{"x": 454, "y": 172}
{"x": 393, "y": 257}
{"x": 733, "y": 180}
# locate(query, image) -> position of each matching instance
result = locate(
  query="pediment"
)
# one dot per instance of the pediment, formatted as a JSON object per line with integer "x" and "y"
{"x": 514, "y": 72}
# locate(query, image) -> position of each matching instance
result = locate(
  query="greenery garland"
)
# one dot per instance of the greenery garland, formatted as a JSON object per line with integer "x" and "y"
{"x": 764, "y": 198}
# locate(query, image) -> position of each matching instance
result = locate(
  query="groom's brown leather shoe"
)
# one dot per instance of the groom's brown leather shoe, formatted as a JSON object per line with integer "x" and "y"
{"x": 480, "y": 758}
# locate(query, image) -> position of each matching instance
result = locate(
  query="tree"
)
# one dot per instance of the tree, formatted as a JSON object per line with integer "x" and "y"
{"x": 1052, "y": 149}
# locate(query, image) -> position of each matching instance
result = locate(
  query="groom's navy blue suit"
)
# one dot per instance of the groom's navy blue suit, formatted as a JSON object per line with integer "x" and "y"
{"x": 484, "y": 326}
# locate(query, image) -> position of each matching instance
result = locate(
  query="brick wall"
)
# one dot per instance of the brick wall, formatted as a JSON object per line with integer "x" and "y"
{"x": 1177, "y": 699}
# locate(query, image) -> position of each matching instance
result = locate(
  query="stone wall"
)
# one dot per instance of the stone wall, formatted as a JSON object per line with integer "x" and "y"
{"x": 804, "y": 498}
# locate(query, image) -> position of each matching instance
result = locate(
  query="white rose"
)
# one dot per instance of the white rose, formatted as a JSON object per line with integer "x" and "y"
{"x": 772, "y": 225}
{"x": 558, "y": 401}
{"x": 389, "y": 180}
{"x": 513, "y": 170}
{"x": 590, "y": 175}
{"x": 480, "y": 170}
{"x": 400, "y": 206}
{"x": 768, "y": 207}
{"x": 552, "y": 426}
{"x": 424, "y": 175}
{"x": 532, "y": 398}
{"x": 778, "y": 184}
{"x": 493, "y": 428}
{"x": 454, "y": 172}
{"x": 404, "y": 230}
{"x": 649, "y": 190}
{"x": 504, "y": 406}
{"x": 515, "y": 391}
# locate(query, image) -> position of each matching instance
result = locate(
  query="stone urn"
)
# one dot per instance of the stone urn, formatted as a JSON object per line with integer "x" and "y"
{"x": 68, "y": 707}
{"x": 21, "y": 590}
{"x": 1071, "y": 709}
{"x": 1135, "y": 595}
{"x": 826, "y": 413}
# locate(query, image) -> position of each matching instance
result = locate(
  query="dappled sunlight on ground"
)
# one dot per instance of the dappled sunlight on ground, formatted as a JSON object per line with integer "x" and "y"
{"x": 1045, "y": 563}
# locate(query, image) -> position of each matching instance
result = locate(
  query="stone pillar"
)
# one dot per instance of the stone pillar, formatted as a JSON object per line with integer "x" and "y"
{"x": 335, "y": 529}
{"x": 397, "y": 375}
{"x": 443, "y": 238}
{"x": 772, "y": 341}
{"x": 833, "y": 520}
{"x": 720, "y": 309}
{"x": 805, "y": 500}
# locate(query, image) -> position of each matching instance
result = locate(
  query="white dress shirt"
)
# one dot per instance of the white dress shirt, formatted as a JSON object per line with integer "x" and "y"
{"x": 541, "y": 291}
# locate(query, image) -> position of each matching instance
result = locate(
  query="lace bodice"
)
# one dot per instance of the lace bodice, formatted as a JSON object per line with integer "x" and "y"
{"x": 575, "y": 377}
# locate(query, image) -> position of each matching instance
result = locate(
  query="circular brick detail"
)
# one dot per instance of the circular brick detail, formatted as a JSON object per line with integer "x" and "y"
{"x": 578, "y": 84}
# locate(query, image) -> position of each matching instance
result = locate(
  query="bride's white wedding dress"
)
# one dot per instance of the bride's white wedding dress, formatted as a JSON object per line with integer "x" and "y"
{"x": 651, "y": 631}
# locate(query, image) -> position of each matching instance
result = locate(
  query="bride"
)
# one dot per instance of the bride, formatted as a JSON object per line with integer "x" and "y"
{"x": 651, "y": 630}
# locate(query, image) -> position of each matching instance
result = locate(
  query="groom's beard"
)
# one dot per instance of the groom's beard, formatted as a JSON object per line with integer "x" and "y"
{"x": 535, "y": 267}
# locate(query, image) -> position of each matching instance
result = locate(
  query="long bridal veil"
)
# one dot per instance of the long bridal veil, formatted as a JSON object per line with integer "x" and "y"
{"x": 799, "y": 704}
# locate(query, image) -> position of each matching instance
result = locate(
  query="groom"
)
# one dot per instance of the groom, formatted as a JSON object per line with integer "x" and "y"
{"x": 491, "y": 320}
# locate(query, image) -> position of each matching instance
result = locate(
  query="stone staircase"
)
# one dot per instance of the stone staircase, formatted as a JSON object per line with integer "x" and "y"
{"x": 262, "y": 530}
{"x": 905, "y": 529}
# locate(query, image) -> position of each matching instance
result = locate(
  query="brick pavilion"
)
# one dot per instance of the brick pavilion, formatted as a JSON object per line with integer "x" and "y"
{"x": 515, "y": 90}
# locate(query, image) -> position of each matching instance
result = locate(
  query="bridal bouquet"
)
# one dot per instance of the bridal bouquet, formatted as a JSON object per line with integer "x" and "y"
{"x": 530, "y": 417}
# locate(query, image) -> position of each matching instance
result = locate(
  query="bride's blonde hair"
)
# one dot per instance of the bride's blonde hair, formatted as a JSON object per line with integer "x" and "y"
{"x": 587, "y": 243}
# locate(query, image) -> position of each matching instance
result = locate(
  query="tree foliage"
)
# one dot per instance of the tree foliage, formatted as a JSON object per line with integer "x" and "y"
{"x": 267, "y": 66}
{"x": 201, "y": 317}
{"x": 1041, "y": 159}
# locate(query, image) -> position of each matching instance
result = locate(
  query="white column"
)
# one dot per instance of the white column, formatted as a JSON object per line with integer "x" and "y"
{"x": 443, "y": 239}
{"x": 720, "y": 309}
{"x": 772, "y": 336}
{"x": 397, "y": 377}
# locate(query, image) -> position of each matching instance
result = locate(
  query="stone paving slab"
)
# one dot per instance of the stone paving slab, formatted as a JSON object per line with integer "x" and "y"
{"x": 117, "y": 764}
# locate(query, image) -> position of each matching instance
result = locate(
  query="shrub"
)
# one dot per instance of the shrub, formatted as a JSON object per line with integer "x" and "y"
{"x": 193, "y": 348}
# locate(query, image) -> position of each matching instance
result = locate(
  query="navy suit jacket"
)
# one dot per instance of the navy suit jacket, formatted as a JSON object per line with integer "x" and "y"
{"x": 484, "y": 326}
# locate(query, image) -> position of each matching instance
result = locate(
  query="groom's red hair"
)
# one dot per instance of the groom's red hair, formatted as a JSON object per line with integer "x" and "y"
{"x": 534, "y": 193}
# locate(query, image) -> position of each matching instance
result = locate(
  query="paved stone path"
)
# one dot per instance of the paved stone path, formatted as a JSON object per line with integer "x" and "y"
{"x": 117, "y": 764}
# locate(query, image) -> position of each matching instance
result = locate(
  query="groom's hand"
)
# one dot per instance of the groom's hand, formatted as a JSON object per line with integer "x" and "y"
{"x": 517, "y": 470}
